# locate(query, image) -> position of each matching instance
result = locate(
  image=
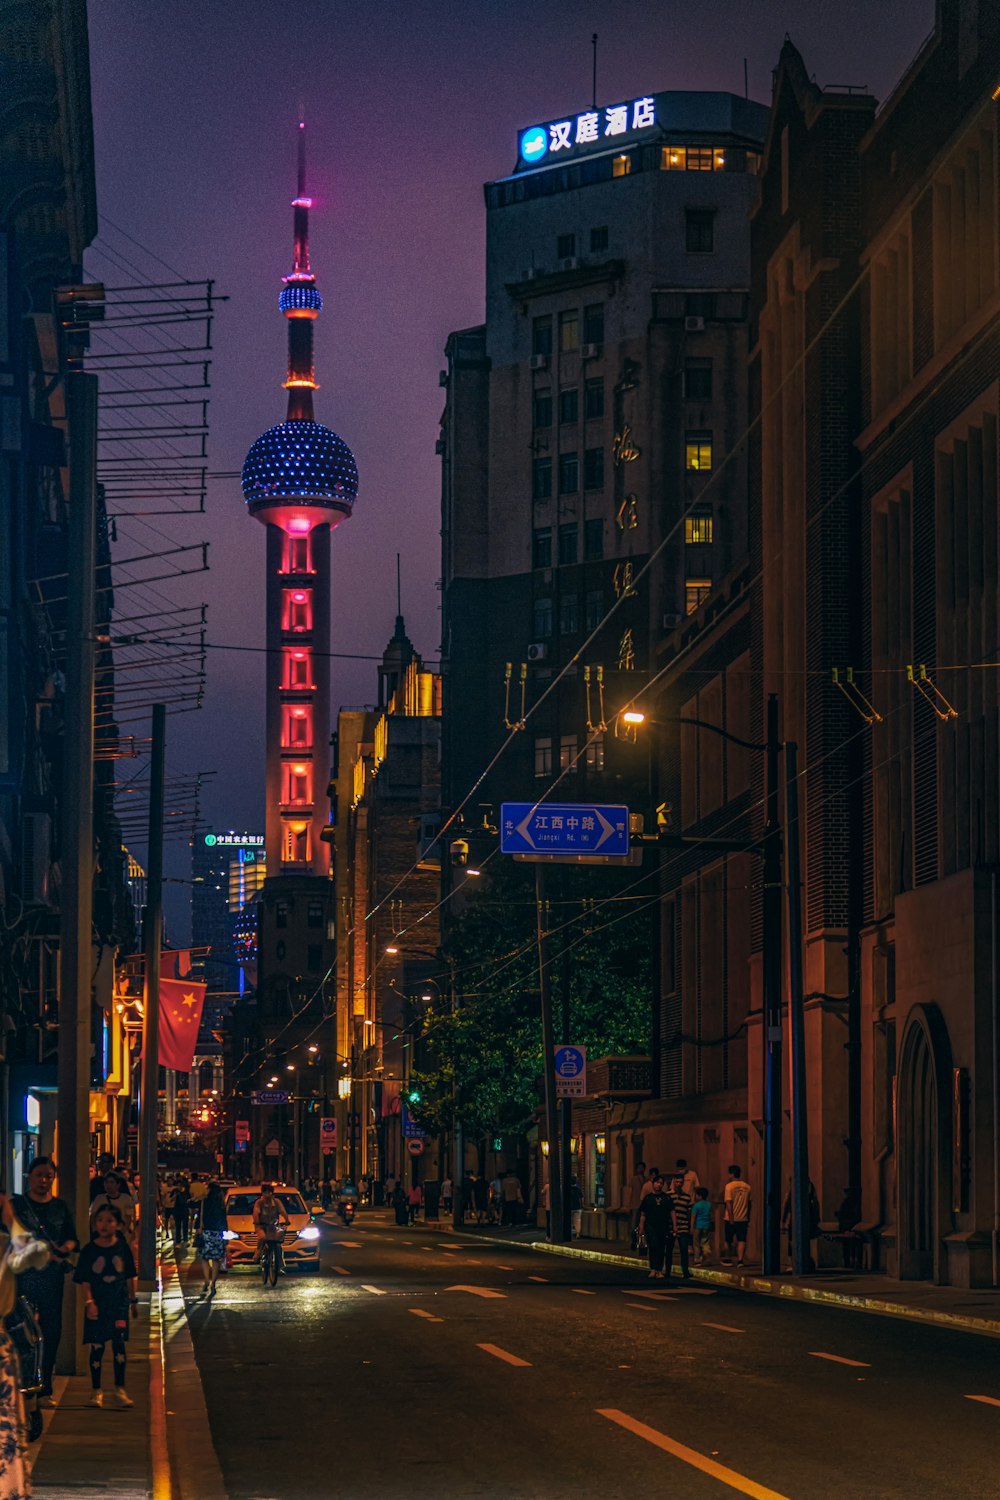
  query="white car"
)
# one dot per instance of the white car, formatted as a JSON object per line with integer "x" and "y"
{"x": 301, "y": 1243}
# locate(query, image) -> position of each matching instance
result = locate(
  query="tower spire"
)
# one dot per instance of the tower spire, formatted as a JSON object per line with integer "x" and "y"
{"x": 300, "y": 301}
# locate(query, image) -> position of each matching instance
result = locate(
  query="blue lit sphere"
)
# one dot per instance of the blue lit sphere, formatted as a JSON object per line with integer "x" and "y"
{"x": 301, "y": 461}
{"x": 300, "y": 299}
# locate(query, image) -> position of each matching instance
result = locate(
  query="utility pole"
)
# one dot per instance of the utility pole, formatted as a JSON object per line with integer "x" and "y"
{"x": 77, "y": 854}
{"x": 458, "y": 1135}
{"x": 549, "y": 1063}
{"x": 566, "y": 1107}
{"x": 352, "y": 1124}
{"x": 152, "y": 932}
{"x": 801, "y": 1248}
{"x": 771, "y": 1019}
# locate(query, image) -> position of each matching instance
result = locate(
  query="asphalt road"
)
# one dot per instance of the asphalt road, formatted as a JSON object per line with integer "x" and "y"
{"x": 433, "y": 1364}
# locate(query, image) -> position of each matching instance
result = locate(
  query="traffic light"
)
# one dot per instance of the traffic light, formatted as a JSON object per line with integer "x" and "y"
{"x": 413, "y": 1097}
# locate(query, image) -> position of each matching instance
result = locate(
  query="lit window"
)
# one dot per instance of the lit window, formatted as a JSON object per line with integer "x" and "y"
{"x": 593, "y": 399}
{"x": 296, "y": 610}
{"x": 569, "y": 405}
{"x": 569, "y": 473}
{"x": 565, "y": 246}
{"x": 541, "y": 478}
{"x": 296, "y": 730}
{"x": 700, "y": 159}
{"x": 698, "y": 451}
{"x": 295, "y": 842}
{"x": 297, "y": 667}
{"x": 541, "y": 547}
{"x": 569, "y": 615}
{"x": 543, "y": 756}
{"x": 621, "y": 166}
{"x": 699, "y": 224}
{"x": 593, "y": 469}
{"x": 543, "y": 619}
{"x": 697, "y": 380}
{"x": 698, "y": 528}
{"x": 593, "y": 755}
{"x": 567, "y": 543}
{"x": 297, "y": 789}
{"x": 541, "y": 409}
{"x": 593, "y": 323}
{"x": 673, "y": 159}
{"x": 593, "y": 539}
{"x": 569, "y": 331}
{"x": 567, "y": 753}
{"x": 696, "y": 591}
{"x": 599, "y": 239}
{"x": 541, "y": 335}
{"x": 719, "y": 161}
{"x": 297, "y": 556}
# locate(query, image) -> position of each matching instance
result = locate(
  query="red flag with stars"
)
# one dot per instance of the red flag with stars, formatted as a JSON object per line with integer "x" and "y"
{"x": 181, "y": 1004}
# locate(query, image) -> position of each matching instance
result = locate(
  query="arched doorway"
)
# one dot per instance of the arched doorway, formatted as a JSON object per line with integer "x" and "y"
{"x": 923, "y": 1162}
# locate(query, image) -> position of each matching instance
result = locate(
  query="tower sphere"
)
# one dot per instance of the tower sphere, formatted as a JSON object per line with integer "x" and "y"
{"x": 302, "y": 462}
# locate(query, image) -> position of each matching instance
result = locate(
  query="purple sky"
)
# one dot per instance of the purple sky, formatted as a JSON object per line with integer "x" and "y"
{"x": 410, "y": 108}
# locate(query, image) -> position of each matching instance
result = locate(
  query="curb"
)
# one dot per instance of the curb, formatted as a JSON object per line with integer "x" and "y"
{"x": 819, "y": 1296}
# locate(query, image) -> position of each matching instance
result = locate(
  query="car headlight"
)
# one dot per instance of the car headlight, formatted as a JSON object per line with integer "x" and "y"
{"x": 230, "y": 1234}
{"x": 309, "y": 1233}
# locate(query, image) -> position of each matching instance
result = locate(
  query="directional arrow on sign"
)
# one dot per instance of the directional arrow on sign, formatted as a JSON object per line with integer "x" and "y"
{"x": 477, "y": 1291}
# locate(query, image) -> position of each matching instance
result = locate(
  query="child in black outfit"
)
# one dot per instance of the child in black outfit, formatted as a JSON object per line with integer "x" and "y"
{"x": 107, "y": 1268}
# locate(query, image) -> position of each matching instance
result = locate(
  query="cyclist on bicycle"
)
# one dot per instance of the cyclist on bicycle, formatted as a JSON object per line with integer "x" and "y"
{"x": 268, "y": 1214}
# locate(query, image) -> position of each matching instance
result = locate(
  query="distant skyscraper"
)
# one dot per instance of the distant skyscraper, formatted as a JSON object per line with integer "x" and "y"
{"x": 228, "y": 870}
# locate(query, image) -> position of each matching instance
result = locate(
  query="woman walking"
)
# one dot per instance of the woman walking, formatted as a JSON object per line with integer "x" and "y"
{"x": 47, "y": 1218}
{"x": 212, "y": 1247}
{"x": 106, "y": 1268}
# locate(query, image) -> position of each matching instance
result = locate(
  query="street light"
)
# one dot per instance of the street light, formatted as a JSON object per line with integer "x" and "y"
{"x": 392, "y": 949}
{"x": 313, "y": 1047}
{"x": 344, "y": 1086}
{"x": 633, "y": 716}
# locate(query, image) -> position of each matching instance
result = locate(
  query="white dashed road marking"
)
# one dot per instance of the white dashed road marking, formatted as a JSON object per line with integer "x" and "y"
{"x": 840, "y": 1359}
{"x": 510, "y": 1359}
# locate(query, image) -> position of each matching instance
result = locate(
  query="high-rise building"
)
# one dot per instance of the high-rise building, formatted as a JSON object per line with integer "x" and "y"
{"x": 228, "y": 871}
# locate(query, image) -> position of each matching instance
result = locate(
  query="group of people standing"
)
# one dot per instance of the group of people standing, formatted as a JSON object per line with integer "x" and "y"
{"x": 677, "y": 1210}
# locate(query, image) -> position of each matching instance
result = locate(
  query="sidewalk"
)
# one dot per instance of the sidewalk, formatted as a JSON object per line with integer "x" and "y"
{"x": 974, "y": 1311}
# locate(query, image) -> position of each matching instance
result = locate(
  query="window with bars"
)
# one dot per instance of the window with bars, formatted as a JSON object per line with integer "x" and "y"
{"x": 696, "y": 591}
{"x": 698, "y": 452}
{"x": 698, "y": 528}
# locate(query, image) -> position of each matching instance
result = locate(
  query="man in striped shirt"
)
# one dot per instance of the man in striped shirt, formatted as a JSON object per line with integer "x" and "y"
{"x": 683, "y": 1204}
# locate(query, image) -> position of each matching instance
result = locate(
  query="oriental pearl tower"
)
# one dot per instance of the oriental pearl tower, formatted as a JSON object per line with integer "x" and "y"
{"x": 300, "y": 480}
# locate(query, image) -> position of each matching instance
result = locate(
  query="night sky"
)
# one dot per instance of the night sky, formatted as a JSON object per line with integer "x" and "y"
{"x": 410, "y": 108}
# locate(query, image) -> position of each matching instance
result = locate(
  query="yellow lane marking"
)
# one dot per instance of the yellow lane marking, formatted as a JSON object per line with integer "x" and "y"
{"x": 689, "y": 1456}
{"x": 342, "y": 1270}
{"x": 539, "y": 1278}
{"x": 510, "y": 1359}
{"x": 641, "y": 1306}
{"x": 375, "y": 1291}
{"x": 418, "y": 1312}
{"x": 725, "y": 1327}
{"x": 477, "y": 1291}
{"x": 986, "y": 1400}
{"x": 581, "y": 1291}
{"x": 840, "y": 1359}
{"x": 503, "y": 1268}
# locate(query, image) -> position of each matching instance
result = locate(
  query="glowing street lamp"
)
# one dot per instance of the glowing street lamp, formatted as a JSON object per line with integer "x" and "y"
{"x": 633, "y": 716}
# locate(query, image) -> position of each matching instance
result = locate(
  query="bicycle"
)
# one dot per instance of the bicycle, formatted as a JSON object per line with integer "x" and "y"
{"x": 272, "y": 1260}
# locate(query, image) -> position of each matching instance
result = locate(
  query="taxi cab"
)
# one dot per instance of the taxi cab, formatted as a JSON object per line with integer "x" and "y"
{"x": 300, "y": 1247}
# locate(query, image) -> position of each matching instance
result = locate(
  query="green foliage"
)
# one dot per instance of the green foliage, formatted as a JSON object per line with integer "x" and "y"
{"x": 491, "y": 1043}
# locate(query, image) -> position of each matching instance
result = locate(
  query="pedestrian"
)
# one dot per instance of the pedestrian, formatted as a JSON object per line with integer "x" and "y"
{"x": 107, "y": 1269}
{"x": 701, "y": 1226}
{"x": 17, "y": 1254}
{"x": 655, "y": 1225}
{"x": 48, "y": 1218}
{"x": 120, "y": 1202}
{"x": 400, "y": 1207}
{"x": 683, "y": 1204}
{"x": 736, "y": 1201}
{"x": 446, "y": 1191}
{"x": 414, "y": 1199}
{"x": 181, "y": 1211}
{"x": 576, "y": 1208}
{"x": 165, "y": 1199}
{"x": 481, "y": 1197}
{"x": 391, "y": 1183}
{"x": 691, "y": 1181}
{"x": 326, "y": 1194}
{"x": 496, "y": 1199}
{"x": 199, "y": 1192}
{"x": 209, "y": 1241}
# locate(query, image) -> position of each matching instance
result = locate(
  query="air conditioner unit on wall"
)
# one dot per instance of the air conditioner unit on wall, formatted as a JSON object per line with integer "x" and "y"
{"x": 539, "y": 361}
{"x": 694, "y": 325}
{"x": 591, "y": 351}
{"x": 36, "y": 850}
{"x": 538, "y": 651}
{"x": 571, "y": 263}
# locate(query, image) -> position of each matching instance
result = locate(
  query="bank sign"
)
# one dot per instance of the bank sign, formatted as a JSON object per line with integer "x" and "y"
{"x": 565, "y": 138}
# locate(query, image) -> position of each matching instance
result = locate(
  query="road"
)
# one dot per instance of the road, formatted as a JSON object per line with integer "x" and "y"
{"x": 434, "y": 1364}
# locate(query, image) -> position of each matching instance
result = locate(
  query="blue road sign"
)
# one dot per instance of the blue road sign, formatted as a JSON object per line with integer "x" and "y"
{"x": 571, "y": 1072}
{"x": 564, "y": 828}
{"x": 411, "y": 1130}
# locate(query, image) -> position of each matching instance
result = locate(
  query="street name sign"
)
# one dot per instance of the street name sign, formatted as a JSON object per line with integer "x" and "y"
{"x": 411, "y": 1129}
{"x": 270, "y": 1096}
{"x": 571, "y": 1072}
{"x": 561, "y": 828}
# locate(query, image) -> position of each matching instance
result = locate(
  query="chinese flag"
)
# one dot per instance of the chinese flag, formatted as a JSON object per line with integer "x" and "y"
{"x": 180, "y": 1017}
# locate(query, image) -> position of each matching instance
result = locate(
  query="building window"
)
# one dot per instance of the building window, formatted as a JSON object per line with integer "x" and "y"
{"x": 565, "y": 246}
{"x": 297, "y": 558}
{"x": 541, "y": 335}
{"x": 296, "y": 729}
{"x": 700, "y": 230}
{"x": 543, "y": 756}
{"x": 569, "y": 473}
{"x": 593, "y": 469}
{"x": 700, "y": 159}
{"x": 593, "y": 399}
{"x": 543, "y": 619}
{"x": 698, "y": 528}
{"x": 696, "y": 591}
{"x": 567, "y": 543}
{"x": 296, "y": 610}
{"x": 569, "y": 331}
{"x": 569, "y": 405}
{"x": 281, "y": 914}
{"x": 569, "y": 615}
{"x": 298, "y": 784}
{"x": 593, "y": 755}
{"x": 594, "y": 609}
{"x": 541, "y": 547}
{"x": 541, "y": 409}
{"x": 295, "y": 843}
{"x": 621, "y": 166}
{"x": 599, "y": 239}
{"x": 314, "y": 914}
{"x": 567, "y": 753}
{"x": 593, "y": 323}
{"x": 698, "y": 451}
{"x": 697, "y": 380}
{"x": 593, "y": 539}
{"x": 673, "y": 159}
{"x": 541, "y": 478}
{"x": 297, "y": 667}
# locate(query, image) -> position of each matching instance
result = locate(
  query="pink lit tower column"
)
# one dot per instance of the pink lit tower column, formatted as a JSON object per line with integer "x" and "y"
{"x": 300, "y": 480}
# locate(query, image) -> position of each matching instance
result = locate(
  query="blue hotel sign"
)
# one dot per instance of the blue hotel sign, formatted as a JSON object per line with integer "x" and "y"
{"x": 595, "y": 127}
{"x": 564, "y": 828}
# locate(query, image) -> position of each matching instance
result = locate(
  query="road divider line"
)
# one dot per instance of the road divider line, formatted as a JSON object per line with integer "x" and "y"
{"x": 581, "y": 1291}
{"x": 725, "y": 1327}
{"x": 375, "y": 1290}
{"x": 476, "y": 1291}
{"x": 840, "y": 1359}
{"x": 510, "y": 1359}
{"x": 544, "y": 1279}
{"x": 419, "y": 1312}
{"x": 687, "y": 1455}
{"x": 641, "y": 1306}
{"x": 986, "y": 1400}
{"x": 342, "y": 1270}
{"x": 503, "y": 1268}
